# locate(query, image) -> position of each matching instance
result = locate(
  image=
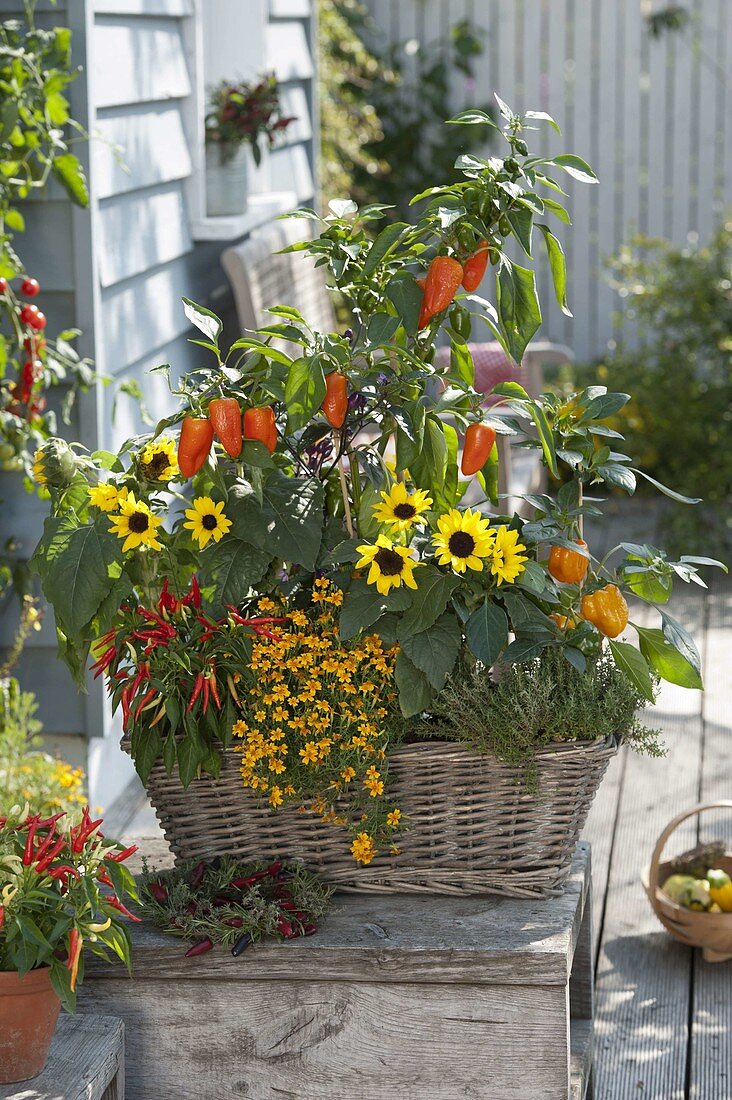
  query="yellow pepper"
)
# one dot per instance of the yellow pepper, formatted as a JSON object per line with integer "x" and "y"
{"x": 720, "y": 889}
{"x": 607, "y": 610}
{"x": 567, "y": 566}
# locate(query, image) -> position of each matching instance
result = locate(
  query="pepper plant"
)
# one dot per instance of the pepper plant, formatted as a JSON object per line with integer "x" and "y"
{"x": 61, "y": 889}
{"x": 341, "y": 463}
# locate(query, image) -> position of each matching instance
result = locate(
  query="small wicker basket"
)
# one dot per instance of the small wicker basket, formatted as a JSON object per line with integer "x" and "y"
{"x": 473, "y": 828}
{"x": 710, "y": 931}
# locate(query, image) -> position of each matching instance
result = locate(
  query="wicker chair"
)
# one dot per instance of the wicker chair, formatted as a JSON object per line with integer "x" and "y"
{"x": 261, "y": 279}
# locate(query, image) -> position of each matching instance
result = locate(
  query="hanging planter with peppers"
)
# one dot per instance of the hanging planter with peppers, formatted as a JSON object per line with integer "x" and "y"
{"x": 330, "y": 485}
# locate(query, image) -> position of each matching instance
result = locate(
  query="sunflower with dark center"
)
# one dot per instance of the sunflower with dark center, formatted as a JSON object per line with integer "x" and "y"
{"x": 401, "y": 509}
{"x": 135, "y": 523}
{"x": 157, "y": 460}
{"x": 389, "y": 566}
{"x": 463, "y": 540}
{"x": 206, "y": 521}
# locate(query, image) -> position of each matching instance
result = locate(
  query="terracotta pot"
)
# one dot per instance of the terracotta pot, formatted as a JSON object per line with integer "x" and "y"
{"x": 29, "y": 1010}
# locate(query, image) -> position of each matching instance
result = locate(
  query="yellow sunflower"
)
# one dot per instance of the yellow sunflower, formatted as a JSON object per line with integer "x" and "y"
{"x": 206, "y": 521}
{"x": 507, "y": 561}
{"x": 39, "y": 470}
{"x": 136, "y": 524}
{"x": 400, "y": 509}
{"x": 157, "y": 460}
{"x": 390, "y": 565}
{"x": 107, "y": 497}
{"x": 463, "y": 540}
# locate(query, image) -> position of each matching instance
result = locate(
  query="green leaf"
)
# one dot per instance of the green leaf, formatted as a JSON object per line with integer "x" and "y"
{"x": 576, "y": 167}
{"x": 519, "y": 314}
{"x": 614, "y": 473}
{"x": 666, "y": 660}
{"x": 461, "y": 361}
{"x": 203, "y": 319}
{"x": 666, "y": 491}
{"x": 680, "y": 639}
{"x": 557, "y": 265}
{"x": 415, "y": 691}
{"x": 488, "y": 475}
{"x": 406, "y": 297}
{"x": 648, "y": 585}
{"x": 542, "y": 116}
{"x": 381, "y": 328}
{"x": 234, "y": 567}
{"x": 304, "y": 391}
{"x": 429, "y": 601}
{"x": 633, "y": 664}
{"x": 146, "y": 747}
{"x": 362, "y": 606}
{"x": 382, "y": 246}
{"x": 510, "y": 389}
{"x": 435, "y": 651}
{"x": 487, "y": 632}
{"x": 80, "y": 572}
{"x": 68, "y": 171}
{"x": 472, "y": 118}
{"x": 521, "y": 221}
{"x": 546, "y": 436}
{"x": 294, "y": 508}
{"x": 428, "y": 466}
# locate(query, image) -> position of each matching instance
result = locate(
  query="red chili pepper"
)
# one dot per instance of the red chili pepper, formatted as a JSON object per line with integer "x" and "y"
{"x": 195, "y": 593}
{"x": 125, "y": 700}
{"x": 117, "y": 904}
{"x": 309, "y": 929}
{"x": 197, "y": 689}
{"x": 199, "y": 948}
{"x": 2, "y": 916}
{"x": 288, "y": 904}
{"x": 275, "y": 868}
{"x": 28, "y": 853}
{"x": 44, "y": 846}
{"x": 285, "y": 928}
{"x": 206, "y": 693}
{"x": 104, "y": 877}
{"x": 120, "y": 857}
{"x": 75, "y": 945}
{"x": 64, "y": 871}
{"x": 245, "y": 883}
{"x": 197, "y": 874}
{"x": 214, "y": 689}
{"x": 158, "y": 891}
{"x": 234, "y": 922}
{"x": 144, "y": 701}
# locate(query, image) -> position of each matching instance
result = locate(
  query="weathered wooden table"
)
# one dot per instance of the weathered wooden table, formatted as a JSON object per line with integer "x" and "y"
{"x": 396, "y": 997}
{"x": 86, "y": 1062}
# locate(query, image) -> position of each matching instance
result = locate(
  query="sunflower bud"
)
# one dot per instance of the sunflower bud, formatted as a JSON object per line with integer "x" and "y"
{"x": 55, "y": 464}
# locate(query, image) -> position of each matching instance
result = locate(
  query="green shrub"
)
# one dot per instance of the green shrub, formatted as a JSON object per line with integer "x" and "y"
{"x": 679, "y": 424}
{"x": 28, "y": 774}
{"x": 536, "y": 703}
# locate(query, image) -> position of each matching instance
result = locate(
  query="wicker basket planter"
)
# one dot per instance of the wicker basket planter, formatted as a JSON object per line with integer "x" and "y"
{"x": 472, "y": 827}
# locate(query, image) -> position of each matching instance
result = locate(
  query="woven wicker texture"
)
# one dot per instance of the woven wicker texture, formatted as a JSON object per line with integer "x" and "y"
{"x": 472, "y": 827}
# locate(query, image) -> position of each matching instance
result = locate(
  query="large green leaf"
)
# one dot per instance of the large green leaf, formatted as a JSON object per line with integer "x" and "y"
{"x": 234, "y": 567}
{"x": 382, "y": 246}
{"x": 82, "y": 566}
{"x": 666, "y": 660}
{"x": 406, "y": 297}
{"x": 546, "y": 436}
{"x": 666, "y": 491}
{"x": 304, "y": 391}
{"x": 487, "y": 632}
{"x": 203, "y": 319}
{"x": 576, "y": 167}
{"x": 363, "y": 604}
{"x": 676, "y": 635}
{"x": 415, "y": 690}
{"x": 635, "y": 667}
{"x": 435, "y": 651}
{"x": 428, "y": 602}
{"x": 294, "y": 513}
{"x": 428, "y": 467}
{"x": 557, "y": 265}
{"x": 519, "y": 314}
{"x": 522, "y": 221}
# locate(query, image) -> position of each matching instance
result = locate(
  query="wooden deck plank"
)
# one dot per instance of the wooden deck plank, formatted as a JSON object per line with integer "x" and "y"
{"x": 711, "y": 1050}
{"x": 643, "y": 977}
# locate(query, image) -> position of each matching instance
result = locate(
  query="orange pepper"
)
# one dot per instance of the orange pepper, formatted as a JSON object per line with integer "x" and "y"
{"x": 260, "y": 425}
{"x": 196, "y": 437}
{"x": 225, "y": 417}
{"x": 335, "y": 402}
{"x": 474, "y": 268}
{"x": 567, "y": 566}
{"x": 607, "y": 610}
{"x": 479, "y": 442}
{"x": 444, "y": 276}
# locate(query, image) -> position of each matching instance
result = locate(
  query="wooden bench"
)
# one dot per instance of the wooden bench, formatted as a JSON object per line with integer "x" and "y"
{"x": 409, "y": 997}
{"x": 86, "y": 1062}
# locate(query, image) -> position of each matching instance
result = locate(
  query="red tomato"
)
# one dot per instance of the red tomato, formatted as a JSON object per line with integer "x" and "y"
{"x": 30, "y": 287}
{"x": 38, "y": 320}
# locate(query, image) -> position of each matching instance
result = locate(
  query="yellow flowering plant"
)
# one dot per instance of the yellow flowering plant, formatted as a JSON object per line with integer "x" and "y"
{"x": 352, "y": 460}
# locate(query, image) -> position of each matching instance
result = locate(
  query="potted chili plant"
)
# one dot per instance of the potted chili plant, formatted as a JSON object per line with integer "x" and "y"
{"x": 60, "y": 894}
{"x": 287, "y": 638}
{"x": 240, "y": 115}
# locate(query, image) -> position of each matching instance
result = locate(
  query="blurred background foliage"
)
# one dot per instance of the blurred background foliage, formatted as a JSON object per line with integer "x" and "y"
{"x": 383, "y": 108}
{"x": 679, "y": 372}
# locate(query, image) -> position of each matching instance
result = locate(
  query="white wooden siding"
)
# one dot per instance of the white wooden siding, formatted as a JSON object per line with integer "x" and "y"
{"x": 653, "y": 117}
{"x": 141, "y": 146}
{"x": 138, "y": 235}
{"x": 138, "y": 60}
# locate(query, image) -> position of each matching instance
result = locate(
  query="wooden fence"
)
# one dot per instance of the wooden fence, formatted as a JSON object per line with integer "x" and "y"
{"x": 653, "y": 116}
